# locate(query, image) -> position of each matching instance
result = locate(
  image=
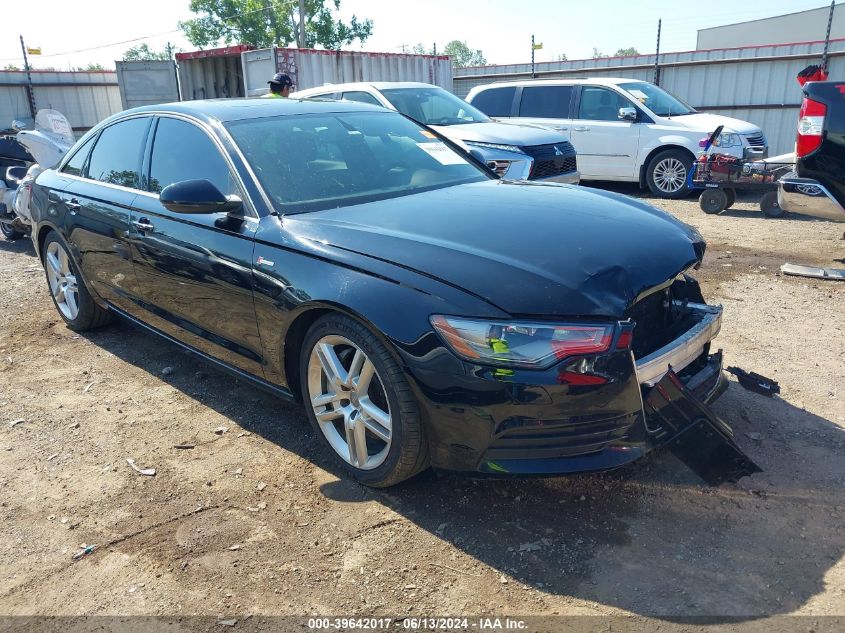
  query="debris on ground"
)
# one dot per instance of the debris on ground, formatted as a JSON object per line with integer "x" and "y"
{"x": 229, "y": 622}
{"x": 755, "y": 382}
{"x": 75, "y": 425}
{"x": 86, "y": 549}
{"x": 88, "y": 387}
{"x": 757, "y": 437}
{"x": 166, "y": 371}
{"x": 220, "y": 430}
{"x": 184, "y": 446}
{"x": 261, "y": 486}
{"x": 14, "y": 423}
{"x": 837, "y": 274}
{"x": 258, "y": 508}
{"x": 149, "y": 472}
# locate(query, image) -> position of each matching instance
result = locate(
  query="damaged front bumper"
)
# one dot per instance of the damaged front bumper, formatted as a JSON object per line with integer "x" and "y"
{"x": 585, "y": 415}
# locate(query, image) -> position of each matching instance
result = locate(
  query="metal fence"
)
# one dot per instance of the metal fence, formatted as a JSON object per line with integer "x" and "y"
{"x": 756, "y": 84}
{"x": 85, "y": 98}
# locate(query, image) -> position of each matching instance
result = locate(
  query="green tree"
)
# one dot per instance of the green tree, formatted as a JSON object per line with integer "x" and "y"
{"x": 419, "y": 49}
{"x": 626, "y": 52}
{"x": 597, "y": 54}
{"x": 91, "y": 67}
{"x": 462, "y": 55}
{"x": 143, "y": 53}
{"x": 10, "y": 67}
{"x": 265, "y": 23}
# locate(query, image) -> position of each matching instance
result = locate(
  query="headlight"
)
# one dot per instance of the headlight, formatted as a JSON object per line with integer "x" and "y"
{"x": 728, "y": 139}
{"x": 504, "y": 148}
{"x": 529, "y": 345}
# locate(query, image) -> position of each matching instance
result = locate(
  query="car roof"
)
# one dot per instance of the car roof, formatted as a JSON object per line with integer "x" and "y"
{"x": 225, "y": 110}
{"x": 601, "y": 81}
{"x": 360, "y": 85}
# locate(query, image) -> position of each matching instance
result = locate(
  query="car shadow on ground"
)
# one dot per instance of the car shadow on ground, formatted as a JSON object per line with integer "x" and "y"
{"x": 22, "y": 245}
{"x": 761, "y": 548}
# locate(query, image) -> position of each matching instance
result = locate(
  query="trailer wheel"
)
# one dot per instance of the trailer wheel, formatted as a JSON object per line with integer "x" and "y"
{"x": 769, "y": 205}
{"x": 731, "y": 194}
{"x": 713, "y": 200}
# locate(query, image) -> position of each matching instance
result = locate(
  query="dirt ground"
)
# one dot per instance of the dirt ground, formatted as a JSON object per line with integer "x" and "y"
{"x": 255, "y": 521}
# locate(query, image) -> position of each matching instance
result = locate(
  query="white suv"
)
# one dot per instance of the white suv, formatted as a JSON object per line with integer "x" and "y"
{"x": 622, "y": 129}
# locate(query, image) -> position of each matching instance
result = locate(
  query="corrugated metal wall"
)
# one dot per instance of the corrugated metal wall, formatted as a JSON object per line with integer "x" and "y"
{"x": 311, "y": 68}
{"x": 213, "y": 77}
{"x": 756, "y": 84}
{"x": 84, "y": 98}
{"x": 147, "y": 82}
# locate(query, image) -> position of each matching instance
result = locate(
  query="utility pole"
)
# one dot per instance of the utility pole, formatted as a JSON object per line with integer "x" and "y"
{"x": 301, "y": 24}
{"x": 657, "y": 55}
{"x": 29, "y": 92}
{"x": 827, "y": 35}
{"x": 532, "y": 57}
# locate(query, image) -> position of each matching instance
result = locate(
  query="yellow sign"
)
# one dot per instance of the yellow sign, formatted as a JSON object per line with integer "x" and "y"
{"x": 34, "y": 51}
{"x": 537, "y": 47}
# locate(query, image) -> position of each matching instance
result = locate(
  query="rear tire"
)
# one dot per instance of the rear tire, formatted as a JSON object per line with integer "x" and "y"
{"x": 67, "y": 288}
{"x": 769, "y": 205}
{"x": 667, "y": 173}
{"x": 360, "y": 403}
{"x": 713, "y": 201}
{"x": 731, "y": 194}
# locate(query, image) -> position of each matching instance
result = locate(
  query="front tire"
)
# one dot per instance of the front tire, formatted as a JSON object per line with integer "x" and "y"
{"x": 770, "y": 206}
{"x": 360, "y": 403}
{"x": 667, "y": 173}
{"x": 67, "y": 288}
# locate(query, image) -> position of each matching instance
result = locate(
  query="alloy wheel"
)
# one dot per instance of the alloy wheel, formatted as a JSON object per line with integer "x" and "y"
{"x": 349, "y": 402}
{"x": 62, "y": 281}
{"x": 670, "y": 175}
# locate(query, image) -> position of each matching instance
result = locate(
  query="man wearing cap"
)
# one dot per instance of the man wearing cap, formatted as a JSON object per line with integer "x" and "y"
{"x": 281, "y": 86}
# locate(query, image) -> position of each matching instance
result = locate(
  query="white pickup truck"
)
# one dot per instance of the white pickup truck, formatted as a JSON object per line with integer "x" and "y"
{"x": 622, "y": 129}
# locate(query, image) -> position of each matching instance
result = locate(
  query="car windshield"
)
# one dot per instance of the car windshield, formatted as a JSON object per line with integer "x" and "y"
{"x": 433, "y": 106}
{"x": 656, "y": 99}
{"x": 322, "y": 161}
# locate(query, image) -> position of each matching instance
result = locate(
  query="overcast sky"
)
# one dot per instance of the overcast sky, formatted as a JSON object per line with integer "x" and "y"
{"x": 502, "y": 29}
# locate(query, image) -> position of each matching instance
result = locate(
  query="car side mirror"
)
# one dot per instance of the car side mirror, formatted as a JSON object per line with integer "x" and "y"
{"x": 628, "y": 114}
{"x": 197, "y": 196}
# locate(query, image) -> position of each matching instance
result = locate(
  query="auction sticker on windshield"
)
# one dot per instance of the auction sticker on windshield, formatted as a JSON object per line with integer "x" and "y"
{"x": 442, "y": 153}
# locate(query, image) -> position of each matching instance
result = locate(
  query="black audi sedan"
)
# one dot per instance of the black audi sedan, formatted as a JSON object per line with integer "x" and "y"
{"x": 426, "y": 312}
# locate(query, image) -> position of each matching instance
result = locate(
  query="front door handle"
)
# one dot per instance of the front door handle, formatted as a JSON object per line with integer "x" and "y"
{"x": 73, "y": 205}
{"x": 561, "y": 128}
{"x": 143, "y": 225}
{"x": 581, "y": 128}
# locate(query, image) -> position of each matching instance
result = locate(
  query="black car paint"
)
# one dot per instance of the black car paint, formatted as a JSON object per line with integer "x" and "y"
{"x": 512, "y": 250}
{"x": 827, "y": 163}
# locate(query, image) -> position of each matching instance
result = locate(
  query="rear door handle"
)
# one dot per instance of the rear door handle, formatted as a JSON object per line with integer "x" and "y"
{"x": 581, "y": 128}
{"x": 143, "y": 225}
{"x": 561, "y": 128}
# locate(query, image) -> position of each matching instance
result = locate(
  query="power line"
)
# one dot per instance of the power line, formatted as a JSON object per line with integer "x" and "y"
{"x": 136, "y": 39}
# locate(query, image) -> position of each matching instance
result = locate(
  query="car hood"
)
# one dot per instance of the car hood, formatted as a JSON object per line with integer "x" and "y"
{"x": 706, "y": 123}
{"x": 505, "y": 133}
{"x": 528, "y": 249}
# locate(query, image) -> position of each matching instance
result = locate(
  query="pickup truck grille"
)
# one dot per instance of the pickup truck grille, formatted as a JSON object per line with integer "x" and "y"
{"x": 756, "y": 140}
{"x": 551, "y": 160}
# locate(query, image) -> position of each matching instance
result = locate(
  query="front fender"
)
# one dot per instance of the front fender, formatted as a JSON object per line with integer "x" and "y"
{"x": 668, "y": 141}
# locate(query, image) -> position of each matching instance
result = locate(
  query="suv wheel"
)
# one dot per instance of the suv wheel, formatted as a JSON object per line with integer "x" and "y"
{"x": 667, "y": 173}
{"x": 67, "y": 288}
{"x": 360, "y": 403}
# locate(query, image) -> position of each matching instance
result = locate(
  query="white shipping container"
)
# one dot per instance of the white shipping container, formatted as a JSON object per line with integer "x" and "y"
{"x": 310, "y": 68}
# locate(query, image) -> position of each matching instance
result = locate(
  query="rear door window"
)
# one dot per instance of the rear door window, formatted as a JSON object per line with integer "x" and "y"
{"x": 116, "y": 158}
{"x": 495, "y": 101}
{"x": 182, "y": 151}
{"x": 545, "y": 102}
{"x": 360, "y": 95}
{"x": 601, "y": 104}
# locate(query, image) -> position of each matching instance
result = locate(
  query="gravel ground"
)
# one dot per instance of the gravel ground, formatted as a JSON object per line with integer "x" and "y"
{"x": 254, "y": 520}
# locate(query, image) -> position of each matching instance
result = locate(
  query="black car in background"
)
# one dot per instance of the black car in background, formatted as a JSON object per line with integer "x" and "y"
{"x": 425, "y": 312}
